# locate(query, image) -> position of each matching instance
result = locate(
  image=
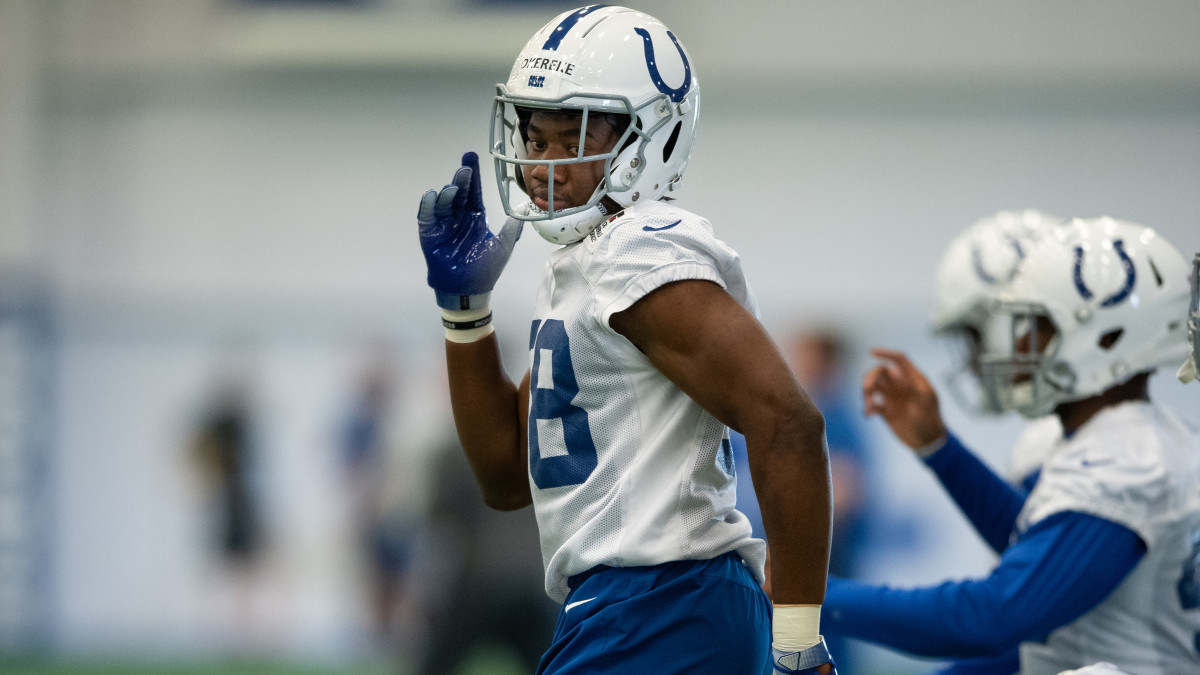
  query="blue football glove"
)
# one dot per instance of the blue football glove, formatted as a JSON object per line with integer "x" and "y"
{"x": 464, "y": 257}
{"x": 803, "y": 662}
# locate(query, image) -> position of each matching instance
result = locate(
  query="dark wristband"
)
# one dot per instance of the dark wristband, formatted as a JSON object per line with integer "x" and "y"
{"x": 467, "y": 325}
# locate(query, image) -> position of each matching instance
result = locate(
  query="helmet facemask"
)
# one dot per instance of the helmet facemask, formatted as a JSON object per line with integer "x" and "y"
{"x": 623, "y": 162}
{"x": 968, "y": 343}
{"x": 598, "y": 60}
{"x": 1114, "y": 293}
{"x": 964, "y": 342}
{"x": 1022, "y": 371}
{"x": 975, "y": 267}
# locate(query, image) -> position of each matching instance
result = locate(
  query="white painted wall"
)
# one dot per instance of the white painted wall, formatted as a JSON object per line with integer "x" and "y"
{"x": 239, "y": 184}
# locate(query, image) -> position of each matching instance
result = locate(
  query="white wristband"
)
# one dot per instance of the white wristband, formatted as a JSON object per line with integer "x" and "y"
{"x": 927, "y": 451}
{"x": 795, "y": 627}
{"x": 467, "y": 325}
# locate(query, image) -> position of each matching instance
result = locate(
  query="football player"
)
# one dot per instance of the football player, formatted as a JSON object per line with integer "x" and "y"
{"x": 1099, "y": 562}
{"x": 975, "y": 267}
{"x": 644, "y": 350}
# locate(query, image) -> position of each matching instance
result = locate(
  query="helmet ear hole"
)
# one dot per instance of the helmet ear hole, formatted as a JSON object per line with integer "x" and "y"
{"x": 1109, "y": 339}
{"x": 669, "y": 147}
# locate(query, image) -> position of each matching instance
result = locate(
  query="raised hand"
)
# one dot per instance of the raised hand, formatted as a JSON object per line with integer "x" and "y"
{"x": 899, "y": 393}
{"x": 464, "y": 258}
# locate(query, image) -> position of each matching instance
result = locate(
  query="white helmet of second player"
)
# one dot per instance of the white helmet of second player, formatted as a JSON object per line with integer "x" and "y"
{"x": 1096, "y": 302}
{"x": 596, "y": 60}
{"x": 981, "y": 261}
{"x": 975, "y": 266}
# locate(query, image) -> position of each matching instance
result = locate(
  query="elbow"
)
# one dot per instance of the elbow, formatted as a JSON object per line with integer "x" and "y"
{"x": 507, "y": 499}
{"x": 800, "y": 419}
{"x": 995, "y": 635}
{"x": 1003, "y": 638}
{"x": 501, "y": 477}
{"x": 791, "y": 425}
{"x": 992, "y": 643}
{"x": 813, "y": 427}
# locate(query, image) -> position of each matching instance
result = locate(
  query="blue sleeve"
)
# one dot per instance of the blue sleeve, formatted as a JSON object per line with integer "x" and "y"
{"x": 1005, "y": 664}
{"x": 987, "y": 500}
{"x": 1056, "y": 572}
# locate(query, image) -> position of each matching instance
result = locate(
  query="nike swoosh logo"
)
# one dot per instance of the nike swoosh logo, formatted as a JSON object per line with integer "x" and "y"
{"x": 573, "y": 605}
{"x": 660, "y": 229}
{"x": 1097, "y": 462}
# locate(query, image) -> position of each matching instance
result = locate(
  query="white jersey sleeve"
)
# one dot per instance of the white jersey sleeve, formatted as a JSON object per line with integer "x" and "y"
{"x": 626, "y": 469}
{"x": 1138, "y": 466}
{"x": 641, "y": 253}
{"x": 1108, "y": 471}
{"x": 1033, "y": 445}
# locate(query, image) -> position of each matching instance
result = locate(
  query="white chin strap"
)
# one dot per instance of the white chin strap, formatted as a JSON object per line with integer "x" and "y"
{"x": 565, "y": 230}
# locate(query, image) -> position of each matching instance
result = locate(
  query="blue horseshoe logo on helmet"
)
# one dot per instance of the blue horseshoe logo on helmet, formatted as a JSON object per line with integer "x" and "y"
{"x": 676, "y": 94}
{"x": 1130, "y": 276}
{"x": 557, "y": 35}
{"x": 985, "y": 276}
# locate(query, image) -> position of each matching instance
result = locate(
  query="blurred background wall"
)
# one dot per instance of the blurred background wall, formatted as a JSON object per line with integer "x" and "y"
{"x": 195, "y": 188}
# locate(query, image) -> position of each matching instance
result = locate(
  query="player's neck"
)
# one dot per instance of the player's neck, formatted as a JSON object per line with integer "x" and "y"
{"x": 611, "y": 208}
{"x": 1075, "y": 414}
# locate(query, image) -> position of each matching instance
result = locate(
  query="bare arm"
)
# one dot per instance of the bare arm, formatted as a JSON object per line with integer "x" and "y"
{"x": 700, "y": 338}
{"x": 465, "y": 258}
{"x": 490, "y": 413}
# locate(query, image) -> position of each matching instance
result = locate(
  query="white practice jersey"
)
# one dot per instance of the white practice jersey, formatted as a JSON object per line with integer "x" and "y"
{"x": 1035, "y": 442}
{"x": 1137, "y": 465}
{"x": 625, "y": 469}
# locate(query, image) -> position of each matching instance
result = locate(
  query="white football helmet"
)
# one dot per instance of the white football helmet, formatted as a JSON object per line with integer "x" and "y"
{"x": 976, "y": 265}
{"x": 1096, "y": 302}
{"x": 599, "y": 59}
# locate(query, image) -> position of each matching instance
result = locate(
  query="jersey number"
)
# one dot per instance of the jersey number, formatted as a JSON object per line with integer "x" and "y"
{"x": 552, "y": 387}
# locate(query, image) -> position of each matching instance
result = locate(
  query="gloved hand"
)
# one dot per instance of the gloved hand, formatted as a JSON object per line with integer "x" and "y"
{"x": 464, "y": 258}
{"x": 803, "y": 662}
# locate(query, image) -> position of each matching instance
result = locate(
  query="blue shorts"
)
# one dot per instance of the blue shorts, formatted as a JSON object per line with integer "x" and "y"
{"x": 690, "y": 616}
